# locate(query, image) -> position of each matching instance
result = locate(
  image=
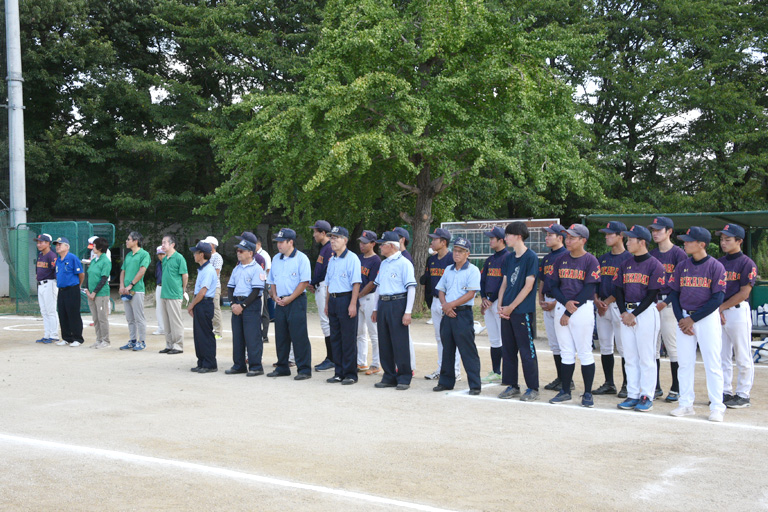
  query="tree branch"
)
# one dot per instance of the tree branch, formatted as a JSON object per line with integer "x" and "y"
{"x": 410, "y": 188}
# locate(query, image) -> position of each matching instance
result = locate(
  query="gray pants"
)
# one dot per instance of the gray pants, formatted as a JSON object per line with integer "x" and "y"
{"x": 217, "y": 312}
{"x": 134, "y": 315}
{"x": 174, "y": 327}
{"x": 100, "y": 312}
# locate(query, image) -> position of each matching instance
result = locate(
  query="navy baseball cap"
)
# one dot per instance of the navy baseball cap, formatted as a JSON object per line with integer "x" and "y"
{"x": 389, "y": 236}
{"x": 44, "y": 237}
{"x": 638, "y": 232}
{"x": 402, "y": 233}
{"x": 555, "y": 228}
{"x": 339, "y": 231}
{"x": 733, "y": 230}
{"x": 496, "y": 232}
{"x": 696, "y": 234}
{"x": 578, "y": 230}
{"x": 322, "y": 225}
{"x": 463, "y": 243}
{"x": 662, "y": 223}
{"x": 368, "y": 237}
{"x": 61, "y": 240}
{"x": 441, "y": 233}
{"x": 247, "y": 235}
{"x": 286, "y": 234}
{"x": 246, "y": 245}
{"x": 614, "y": 227}
{"x": 202, "y": 247}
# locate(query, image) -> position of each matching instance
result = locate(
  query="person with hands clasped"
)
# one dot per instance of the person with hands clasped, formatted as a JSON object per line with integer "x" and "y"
{"x": 175, "y": 277}
{"x": 98, "y": 292}
{"x": 491, "y": 278}
{"x": 555, "y": 240}
{"x": 200, "y": 308}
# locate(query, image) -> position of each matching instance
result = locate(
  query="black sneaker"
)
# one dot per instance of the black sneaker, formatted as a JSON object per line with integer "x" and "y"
{"x": 728, "y": 397}
{"x": 555, "y": 385}
{"x": 333, "y": 380}
{"x": 737, "y": 402}
{"x": 622, "y": 393}
{"x": 659, "y": 393}
{"x": 605, "y": 389}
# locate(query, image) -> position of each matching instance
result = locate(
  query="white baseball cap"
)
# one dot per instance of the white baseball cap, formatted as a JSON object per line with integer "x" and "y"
{"x": 211, "y": 240}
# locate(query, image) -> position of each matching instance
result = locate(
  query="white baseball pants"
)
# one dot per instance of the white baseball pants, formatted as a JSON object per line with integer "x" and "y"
{"x": 708, "y": 336}
{"x": 639, "y": 349}
{"x": 366, "y": 328}
{"x": 321, "y": 290}
{"x": 668, "y": 333}
{"x": 493, "y": 324}
{"x": 47, "y": 295}
{"x": 737, "y": 342}
{"x": 549, "y": 327}
{"x": 576, "y": 337}
{"x": 609, "y": 329}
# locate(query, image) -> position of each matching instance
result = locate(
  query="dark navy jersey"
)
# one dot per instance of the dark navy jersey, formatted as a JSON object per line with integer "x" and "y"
{"x": 321, "y": 265}
{"x": 546, "y": 269}
{"x": 369, "y": 269}
{"x": 609, "y": 266}
{"x": 436, "y": 267}
{"x": 491, "y": 275}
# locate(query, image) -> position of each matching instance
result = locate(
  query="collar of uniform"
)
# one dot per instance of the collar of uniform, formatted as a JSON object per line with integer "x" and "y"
{"x": 731, "y": 257}
{"x": 253, "y": 262}
{"x": 466, "y": 266}
{"x": 282, "y": 256}
{"x": 203, "y": 265}
{"x": 502, "y": 251}
{"x": 342, "y": 254}
{"x": 398, "y": 254}
{"x": 558, "y": 251}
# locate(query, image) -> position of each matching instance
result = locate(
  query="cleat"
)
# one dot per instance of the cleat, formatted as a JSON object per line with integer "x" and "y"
{"x": 131, "y": 344}
{"x": 348, "y": 381}
{"x": 628, "y": 404}
{"x": 140, "y": 345}
{"x": 737, "y": 402}
{"x": 384, "y": 385}
{"x": 373, "y": 370}
{"x": 561, "y": 397}
{"x": 62, "y": 343}
{"x": 50, "y": 340}
{"x": 491, "y": 377}
{"x": 474, "y": 392}
{"x": 433, "y": 376}
{"x": 440, "y": 387}
{"x": 402, "y": 387}
{"x": 587, "y": 400}
{"x": 645, "y": 405}
{"x": 362, "y": 368}
{"x": 673, "y": 396}
{"x": 555, "y": 385}
{"x": 623, "y": 392}
{"x": 333, "y": 380}
{"x": 104, "y": 344}
{"x": 659, "y": 393}
{"x": 510, "y": 392}
{"x": 75, "y": 344}
{"x": 42, "y": 340}
{"x": 716, "y": 416}
{"x": 682, "y": 411}
{"x": 303, "y": 376}
{"x": 727, "y": 397}
{"x": 530, "y": 395}
{"x": 324, "y": 366}
{"x": 605, "y": 389}
{"x": 94, "y": 345}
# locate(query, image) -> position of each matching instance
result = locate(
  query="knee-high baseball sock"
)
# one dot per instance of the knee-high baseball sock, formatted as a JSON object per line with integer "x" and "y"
{"x": 496, "y": 359}
{"x": 588, "y": 373}
{"x": 675, "y": 385}
{"x": 607, "y": 361}
{"x": 566, "y": 375}
{"x": 623, "y": 373}
{"x": 658, "y": 367}
{"x": 328, "y": 352}
{"x": 558, "y": 366}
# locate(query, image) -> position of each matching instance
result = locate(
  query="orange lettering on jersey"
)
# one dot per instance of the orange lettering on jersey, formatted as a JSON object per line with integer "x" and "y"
{"x": 697, "y": 282}
{"x": 436, "y": 272}
{"x": 752, "y": 274}
{"x": 609, "y": 271}
{"x": 365, "y": 271}
{"x": 494, "y": 272}
{"x": 596, "y": 274}
{"x": 732, "y": 276}
{"x": 42, "y": 264}
{"x": 549, "y": 269}
{"x": 320, "y": 260}
{"x": 571, "y": 273}
{"x": 637, "y": 278}
{"x": 669, "y": 268}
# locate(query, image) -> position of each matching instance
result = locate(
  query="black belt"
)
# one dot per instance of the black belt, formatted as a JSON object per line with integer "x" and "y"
{"x": 737, "y": 305}
{"x": 206, "y": 299}
{"x": 631, "y": 305}
{"x": 40, "y": 283}
{"x": 342, "y": 294}
{"x": 397, "y": 296}
{"x": 492, "y": 296}
{"x": 689, "y": 312}
{"x": 462, "y": 308}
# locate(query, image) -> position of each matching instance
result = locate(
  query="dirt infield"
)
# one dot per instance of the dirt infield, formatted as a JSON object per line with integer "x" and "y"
{"x": 84, "y": 429}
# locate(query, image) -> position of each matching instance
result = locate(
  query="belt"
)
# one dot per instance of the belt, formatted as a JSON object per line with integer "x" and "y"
{"x": 462, "y": 308}
{"x": 206, "y": 299}
{"x": 342, "y": 294}
{"x": 737, "y": 306}
{"x": 690, "y": 312}
{"x": 631, "y": 305}
{"x": 40, "y": 283}
{"x": 397, "y": 296}
{"x": 241, "y": 299}
{"x": 663, "y": 296}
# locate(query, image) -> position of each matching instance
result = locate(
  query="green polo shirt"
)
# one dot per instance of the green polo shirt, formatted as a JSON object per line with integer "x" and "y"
{"x": 174, "y": 267}
{"x": 131, "y": 265}
{"x": 99, "y": 268}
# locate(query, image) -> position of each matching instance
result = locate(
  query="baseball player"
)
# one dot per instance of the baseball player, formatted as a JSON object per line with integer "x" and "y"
{"x": 395, "y": 293}
{"x": 637, "y": 283}
{"x": 608, "y": 318}
{"x": 457, "y": 286}
{"x": 698, "y": 288}
{"x": 200, "y": 308}
{"x": 670, "y": 256}
{"x": 574, "y": 283}
{"x": 318, "y": 285}
{"x": 369, "y": 268}
{"x": 47, "y": 291}
{"x": 436, "y": 265}
{"x": 555, "y": 240}
{"x": 735, "y": 315}
{"x": 343, "y": 279}
{"x": 490, "y": 281}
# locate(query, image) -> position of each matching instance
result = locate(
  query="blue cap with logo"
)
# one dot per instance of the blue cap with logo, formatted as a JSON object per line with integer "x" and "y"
{"x": 496, "y": 232}
{"x": 614, "y": 227}
{"x": 441, "y": 233}
{"x": 696, "y": 234}
{"x": 389, "y": 236}
{"x": 463, "y": 243}
{"x": 368, "y": 236}
{"x": 733, "y": 230}
{"x": 246, "y": 245}
{"x": 662, "y": 223}
{"x": 578, "y": 230}
{"x": 556, "y": 228}
{"x": 637, "y": 231}
{"x": 322, "y": 225}
{"x": 287, "y": 234}
{"x": 339, "y": 231}
{"x": 202, "y": 247}
{"x": 403, "y": 233}
{"x": 247, "y": 235}
{"x": 62, "y": 240}
{"x": 44, "y": 237}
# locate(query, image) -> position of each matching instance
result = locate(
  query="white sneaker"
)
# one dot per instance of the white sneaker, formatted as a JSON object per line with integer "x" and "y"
{"x": 716, "y": 416}
{"x": 429, "y": 322}
{"x": 433, "y": 376}
{"x": 682, "y": 411}
{"x": 159, "y": 333}
{"x": 104, "y": 344}
{"x": 75, "y": 344}
{"x": 62, "y": 343}
{"x": 95, "y": 345}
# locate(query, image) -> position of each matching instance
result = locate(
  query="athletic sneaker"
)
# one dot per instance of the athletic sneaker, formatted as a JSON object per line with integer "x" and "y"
{"x": 95, "y": 345}
{"x": 491, "y": 377}
{"x": 530, "y": 395}
{"x": 623, "y": 392}
{"x": 628, "y": 404}
{"x": 737, "y": 402}
{"x": 659, "y": 393}
{"x": 362, "y": 368}
{"x": 104, "y": 344}
{"x": 673, "y": 396}
{"x": 158, "y": 333}
{"x": 373, "y": 370}
{"x": 645, "y": 405}
{"x": 587, "y": 400}
{"x": 75, "y": 344}
{"x": 682, "y": 411}
{"x": 129, "y": 345}
{"x": 62, "y": 343}
{"x": 605, "y": 389}
{"x": 42, "y": 340}
{"x": 510, "y": 392}
{"x": 433, "y": 376}
{"x": 561, "y": 397}
{"x": 325, "y": 366}
{"x": 140, "y": 345}
{"x": 727, "y": 397}
{"x": 50, "y": 340}
{"x": 217, "y": 336}
{"x": 458, "y": 377}
{"x": 555, "y": 385}
{"x": 716, "y": 416}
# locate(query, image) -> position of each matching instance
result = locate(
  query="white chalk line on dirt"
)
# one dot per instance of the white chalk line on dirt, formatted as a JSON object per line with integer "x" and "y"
{"x": 214, "y": 471}
{"x": 575, "y": 406}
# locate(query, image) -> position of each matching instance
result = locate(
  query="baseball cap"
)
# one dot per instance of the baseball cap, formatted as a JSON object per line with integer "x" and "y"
{"x": 368, "y": 237}
{"x": 202, "y": 247}
{"x": 696, "y": 234}
{"x": 614, "y": 227}
{"x": 441, "y": 233}
{"x": 402, "y": 233}
{"x": 339, "y": 231}
{"x": 247, "y": 235}
{"x": 496, "y": 232}
{"x": 91, "y": 240}
{"x": 246, "y": 245}
{"x": 638, "y": 232}
{"x": 211, "y": 240}
{"x": 662, "y": 223}
{"x": 159, "y": 250}
{"x": 287, "y": 234}
{"x": 555, "y": 228}
{"x": 322, "y": 225}
{"x": 44, "y": 237}
{"x": 61, "y": 240}
{"x": 389, "y": 237}
{"x": 733, "y": 230}
{"x": 578, "y": 230}
{"x": 463, "y": 243}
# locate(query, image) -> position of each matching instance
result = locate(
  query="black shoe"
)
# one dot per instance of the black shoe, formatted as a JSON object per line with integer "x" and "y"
{"x": 265, "y": 340}
{"x": 605, "y": 389}
{"x": 659, "y": 393}
{"x": 440, "y": 387}
{"x": 384, "y": 385}
{"x": 232, "y": 371}
{"x": 402, "y": 387}
{"x": 474, "y": 392}
{"x": 333, "y": 380}
{"x": 555, "y": 385}
{"x": 165, "y": 351}
{"x": 254, "y": 373}
{"x": 278, "y": 373}
{"x": 622, "y": 393}
{"x": 727, "y": 397}
{"x": 348, "y": 381}
{"x": 207, "y": 370}
{"x": 174, "y": 351}
{"x": 303, "y": 376}
{"x": 195, "y": 369}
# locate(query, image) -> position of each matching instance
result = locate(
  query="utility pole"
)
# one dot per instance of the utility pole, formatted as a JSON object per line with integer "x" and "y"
{"x": 15, "y": 115}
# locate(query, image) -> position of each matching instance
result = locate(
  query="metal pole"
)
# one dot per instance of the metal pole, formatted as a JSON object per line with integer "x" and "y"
{"x": 15, "y": 115}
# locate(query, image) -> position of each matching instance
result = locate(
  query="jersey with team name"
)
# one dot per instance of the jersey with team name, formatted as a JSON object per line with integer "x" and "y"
{"x": 637, "y": 277}
{"x": 669, "y": 261}
{"x": 697, "y": 281}
{"x": 740, "y": 271}
{"x": 609, "y": 265}
{"x": 573, "y": 273}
